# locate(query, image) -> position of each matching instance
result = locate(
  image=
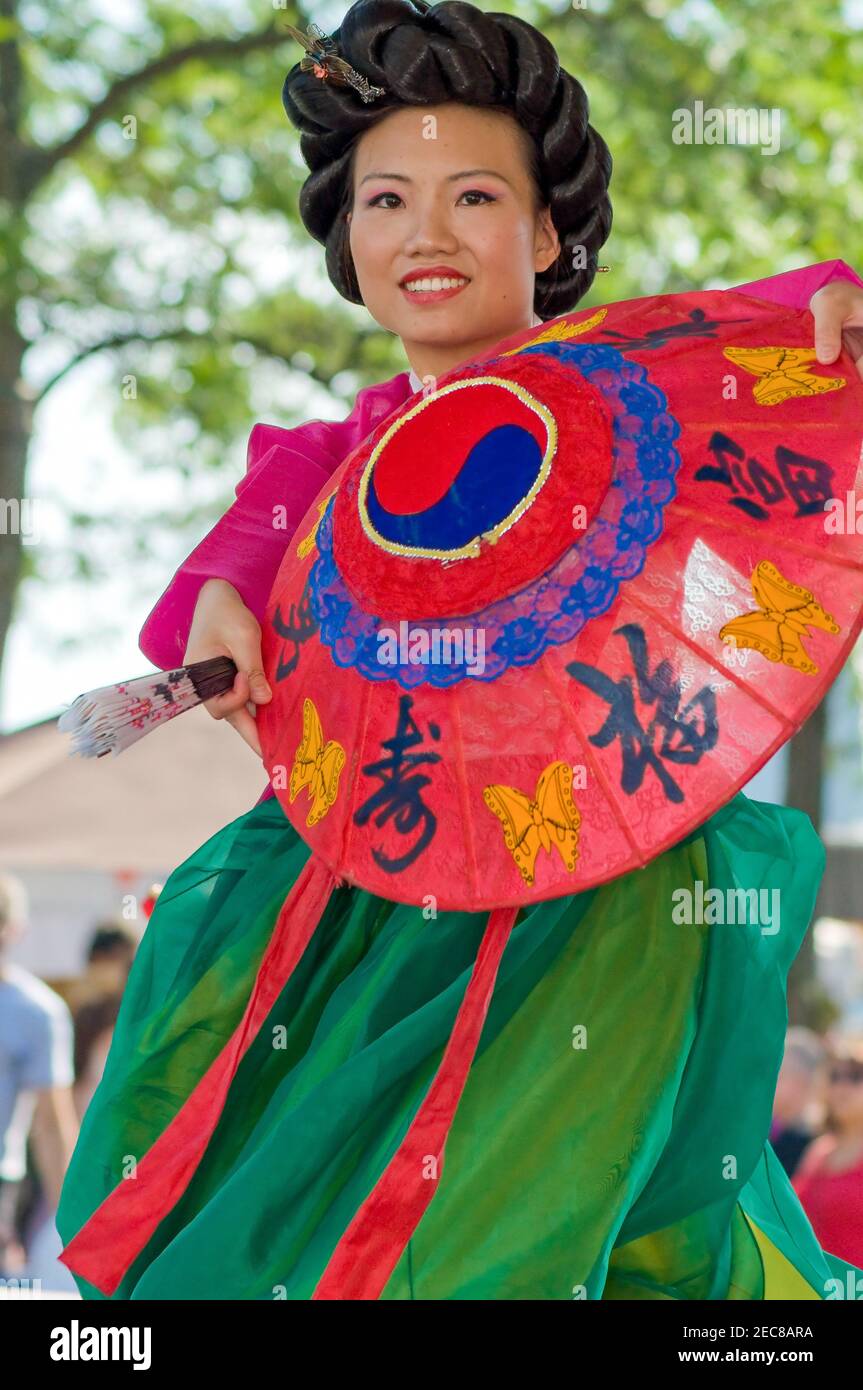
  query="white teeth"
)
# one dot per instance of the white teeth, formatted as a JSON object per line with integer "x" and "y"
{"x": 435, "y": 282}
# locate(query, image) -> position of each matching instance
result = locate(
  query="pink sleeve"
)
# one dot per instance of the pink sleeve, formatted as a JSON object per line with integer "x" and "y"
{"x": 284, "y": 468}
{"x": 796, "y": 287}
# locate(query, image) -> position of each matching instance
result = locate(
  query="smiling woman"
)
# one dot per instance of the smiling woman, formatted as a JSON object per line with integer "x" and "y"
{"x": 448, "y": 259}
{"x": 480, "y": 141}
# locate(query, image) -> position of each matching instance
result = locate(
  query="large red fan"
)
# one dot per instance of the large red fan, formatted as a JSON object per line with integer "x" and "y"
{"x": 551, "y": 615}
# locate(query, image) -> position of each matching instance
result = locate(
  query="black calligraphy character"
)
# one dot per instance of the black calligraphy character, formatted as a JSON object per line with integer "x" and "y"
{"x": 400, "y": 792}
{"x": 684, "y": 737}
{"x": 698, "y": 325}
{"x": 767, "y": 485}
{"x": 298, "y": 628}
{"x": 807, "y": 481}
{"x": 729, "y": 470}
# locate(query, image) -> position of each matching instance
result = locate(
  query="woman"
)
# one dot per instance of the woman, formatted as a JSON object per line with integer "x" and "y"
{"x": 611, "y": 1139}
{"x": 829, "y": 1180}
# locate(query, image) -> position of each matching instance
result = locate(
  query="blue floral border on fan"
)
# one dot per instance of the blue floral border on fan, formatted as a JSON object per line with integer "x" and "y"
{"x": 548, "y": 611}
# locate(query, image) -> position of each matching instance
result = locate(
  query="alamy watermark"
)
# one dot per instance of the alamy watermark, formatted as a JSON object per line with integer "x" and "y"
{"x": 20, "y": 1287}
{"x": 432, "y": 646}
{"x": 19, "y": 516}
{"x": 757, "y": 907}
{"x": 844, "y": 517}
{"x": 731, "y": 125}
{"x": 84, "y": 1343}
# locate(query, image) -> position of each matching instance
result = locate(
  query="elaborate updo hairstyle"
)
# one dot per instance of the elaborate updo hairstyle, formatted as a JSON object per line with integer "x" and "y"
{"x": 424, "y": 55}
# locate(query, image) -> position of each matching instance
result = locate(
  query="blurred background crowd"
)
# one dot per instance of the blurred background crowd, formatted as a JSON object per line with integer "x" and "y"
{"x": 54, "y": 1039}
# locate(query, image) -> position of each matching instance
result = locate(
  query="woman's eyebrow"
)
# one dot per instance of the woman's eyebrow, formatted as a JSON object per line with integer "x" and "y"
{"x": 465, "y": 173}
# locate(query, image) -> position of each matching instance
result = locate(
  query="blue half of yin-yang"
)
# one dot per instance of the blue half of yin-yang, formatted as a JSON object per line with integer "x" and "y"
{"x": 497, "y": 474}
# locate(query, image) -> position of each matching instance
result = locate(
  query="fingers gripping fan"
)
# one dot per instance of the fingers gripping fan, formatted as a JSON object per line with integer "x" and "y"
{"x": 553, "y": 614}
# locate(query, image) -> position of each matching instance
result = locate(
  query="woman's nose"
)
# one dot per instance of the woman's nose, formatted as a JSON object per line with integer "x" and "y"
{"x": 431, "y": 233}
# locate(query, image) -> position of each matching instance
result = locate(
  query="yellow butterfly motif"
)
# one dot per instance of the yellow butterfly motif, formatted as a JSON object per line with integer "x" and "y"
{"x": 317, "y": 766}
{"x": 307, "y": 544}
{"x": 784, "y": 617}
{"x": 782, "y": 373}
{"x": 550, "y": 820}
{"x": 559, "y": 332}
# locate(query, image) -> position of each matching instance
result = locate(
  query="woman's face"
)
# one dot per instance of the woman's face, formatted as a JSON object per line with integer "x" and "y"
{"x": 845, "y": 1096}
{"x": 447, "y": 187}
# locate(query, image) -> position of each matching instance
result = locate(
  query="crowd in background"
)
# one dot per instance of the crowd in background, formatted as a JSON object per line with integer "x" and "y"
{"x": 53, "y": 1051}
{"x": 53, "y": 1048}
{"x": 817, "y": 1135}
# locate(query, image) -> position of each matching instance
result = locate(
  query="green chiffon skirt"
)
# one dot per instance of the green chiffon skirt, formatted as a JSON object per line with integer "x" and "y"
{"x": 611, "y": 1140}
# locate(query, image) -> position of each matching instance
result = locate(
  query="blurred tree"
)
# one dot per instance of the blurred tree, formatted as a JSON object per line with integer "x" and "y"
{"x": 145, "y": 165}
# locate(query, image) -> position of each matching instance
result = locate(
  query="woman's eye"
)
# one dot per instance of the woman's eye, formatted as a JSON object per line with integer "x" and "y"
{"x": 479, "y": 193}
{"x": 468, "y": 193}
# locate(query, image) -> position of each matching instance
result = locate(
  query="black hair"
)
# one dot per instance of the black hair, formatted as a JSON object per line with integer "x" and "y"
{"x": 425, "y": 55}
{"x": 108, "y": 938}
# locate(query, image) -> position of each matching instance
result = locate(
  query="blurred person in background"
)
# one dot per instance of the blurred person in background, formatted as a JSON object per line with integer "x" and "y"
{"x": 109, "y": 959}
{"x": 829, "y": 1178}
{"x": 798, "y": 1100}
{"x": 94, "y": 1028}
{"x": 35, "y": 1078}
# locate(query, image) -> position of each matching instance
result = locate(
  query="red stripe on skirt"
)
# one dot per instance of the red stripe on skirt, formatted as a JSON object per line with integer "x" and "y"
{"x": 373, "y": 1243}
{"x": 113, "y": 1237}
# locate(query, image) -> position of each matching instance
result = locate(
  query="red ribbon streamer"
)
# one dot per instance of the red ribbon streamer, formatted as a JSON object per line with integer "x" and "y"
{"x": 373, "y": 1243}
{"x": 113, "y": 1237}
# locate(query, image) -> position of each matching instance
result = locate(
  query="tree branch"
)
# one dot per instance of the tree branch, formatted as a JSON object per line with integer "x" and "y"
{"x": 120, "y": 340}
{"x": 40, "y": 162}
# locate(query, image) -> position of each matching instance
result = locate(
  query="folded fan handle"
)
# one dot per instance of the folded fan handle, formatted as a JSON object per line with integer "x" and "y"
{"x": 212, "y": 677}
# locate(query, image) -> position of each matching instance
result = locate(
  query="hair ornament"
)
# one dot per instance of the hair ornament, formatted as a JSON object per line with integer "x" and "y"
{"x": 322, "y": 59}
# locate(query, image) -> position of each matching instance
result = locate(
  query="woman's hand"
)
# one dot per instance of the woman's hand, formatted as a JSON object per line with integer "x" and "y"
{"x": 224, "y": 626}
{"x": 838, "y": 312}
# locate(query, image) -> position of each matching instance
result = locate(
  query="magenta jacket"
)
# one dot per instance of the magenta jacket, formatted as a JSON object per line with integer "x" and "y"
{"x": 284, "y": 467}
{"x": 289, "y": 467}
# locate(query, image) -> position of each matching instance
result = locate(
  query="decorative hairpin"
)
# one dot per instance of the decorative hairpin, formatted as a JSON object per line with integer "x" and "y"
{"x": 322, "y": 59}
